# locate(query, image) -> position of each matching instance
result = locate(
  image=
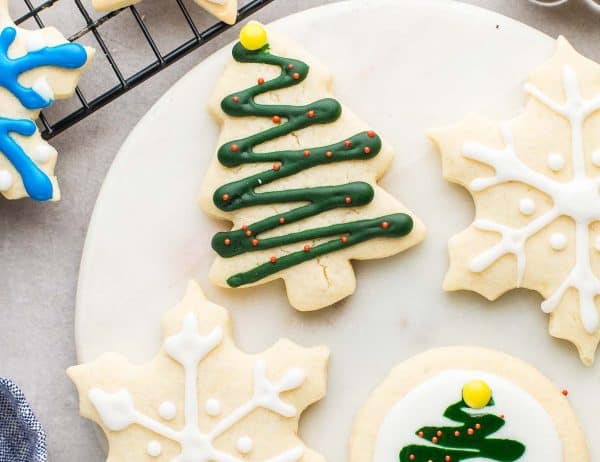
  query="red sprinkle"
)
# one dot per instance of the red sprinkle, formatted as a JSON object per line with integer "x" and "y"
{"x": 276, "y": 167}
{"x": 234, "y": 147}
{"x": 502, "y": 416}
{"x": 385, "y": 225}
{"x": 371, "y": 134}
{"x": 255, "y": 242}
{"x": 244, "y": 227}
{"x": 235, "y": 99}
{"x": 457, "y": 433}
{"x": 290, "y": 66}
{"x": 310, "y": 114}
{"x": 225, "y": 197}
{"x": 347, "y": 143}
{"x": 565, "y": 392}
{"x": 470, "y": 431}
{"x": 348, "y": 200}
{"x": 421, "y": 434}
{"x": 329, "y": 154}
{"x": 281, "y": 220}
{"x": 447, "y": 459}
{"x": 344, "y": 239}
{"x": 411, "y": 457}
{"x": 367, "y": 150}
{"x": 261, "y": 81}
{"x": 273, "y": 259}
{"x": 295, "y": 76}
{"x": 439, "y": 433}
{"x": 307, "y": 153}
{"x": 307, "y": 248}
{"x": 227, "y": 241}
{"x": 434, "y": 440}
{"x": 249, "y": 233}
{"x": 276, "y": 119}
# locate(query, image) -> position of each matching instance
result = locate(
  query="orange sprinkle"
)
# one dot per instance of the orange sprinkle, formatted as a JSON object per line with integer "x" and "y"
{"x": 310, "y": 114}
{"x": 367, "y": 150}
{"x": 255, "y": 242}
{"x": 261, "y": 81}
{"x": 290, "y": 66}
{"x": 307, "y": 248}
{"x": 329, "y": 154}
{"x": 385, "y": 225}
{"x": 295, "y": 76}
{"x": 306, "y": 153}
{"x": 434, "y": 440}
{"x": 276, "y": 119}
{"x": 235, "y": 99}
{"x": 478, "y": 426}
{"x": 344, "y": 239}
{"x": 234, "y": 147}
{"x": 225, "y": 197}
{"x": 227, "y": 242}
{"x": 249, "y": 233}
{"x": 281, "y": 220}
{"x": 565, "y": 392}
{"x": 371, "y": 134}
{"x": 470, "y": 431}
{"x": 457, "y": 433}
{"x": 276, "y": 167}
{"x": 273, "y": 259}
{"x": 244, "y": 227}
{"x": 348, "y": 200}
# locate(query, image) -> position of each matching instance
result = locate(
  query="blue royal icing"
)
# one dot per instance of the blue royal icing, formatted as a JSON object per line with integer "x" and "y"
{"x": 36, "y": 182}
{"x": 66, "y": 56}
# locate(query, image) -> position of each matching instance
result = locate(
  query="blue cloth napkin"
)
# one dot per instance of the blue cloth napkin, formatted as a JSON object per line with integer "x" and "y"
{"x": 22, "y": 438}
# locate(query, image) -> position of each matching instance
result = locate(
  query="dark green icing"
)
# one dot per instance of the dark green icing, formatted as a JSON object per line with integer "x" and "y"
{"x": 464, "y": 446}
{"x": 316, "y": 200}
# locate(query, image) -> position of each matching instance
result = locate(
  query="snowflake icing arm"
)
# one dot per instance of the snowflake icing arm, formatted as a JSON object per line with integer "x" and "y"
{"x": 68, "y": 56}
{"x": 220, "y": 397}
{"x": 535, "y": 182}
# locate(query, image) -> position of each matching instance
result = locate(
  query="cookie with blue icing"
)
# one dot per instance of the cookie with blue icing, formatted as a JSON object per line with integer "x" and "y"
{"x": 36, "y": 68}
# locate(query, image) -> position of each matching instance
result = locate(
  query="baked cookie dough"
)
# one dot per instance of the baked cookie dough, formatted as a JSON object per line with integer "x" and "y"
{"x": 201, "y": 399}
{"x": 460, "y": 403}
{"x": 37, "y": 67}
{"x": 296, "y": 173}
{"x": 535, "y": 181}
{"x": 225, "y": 10}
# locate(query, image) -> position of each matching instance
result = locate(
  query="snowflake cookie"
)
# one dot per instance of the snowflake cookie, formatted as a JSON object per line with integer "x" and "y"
{"x": 201, "y": 399}
{"x": 459, "y": 404}
{"x": 535, "y": 181}
{"x": 36, "y": 68}
{"x": 224, "y": 10}
{"x": 296, "y": 173}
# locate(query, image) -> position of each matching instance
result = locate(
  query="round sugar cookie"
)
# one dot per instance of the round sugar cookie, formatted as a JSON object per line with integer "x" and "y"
{"x": 436, "y": 407}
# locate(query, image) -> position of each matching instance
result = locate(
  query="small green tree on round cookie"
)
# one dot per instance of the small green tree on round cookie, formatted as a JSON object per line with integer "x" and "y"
{"x": 469, "y": 440}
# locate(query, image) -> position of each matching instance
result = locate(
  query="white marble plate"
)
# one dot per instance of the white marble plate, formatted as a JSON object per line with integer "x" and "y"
{"x": 404, "y": 66}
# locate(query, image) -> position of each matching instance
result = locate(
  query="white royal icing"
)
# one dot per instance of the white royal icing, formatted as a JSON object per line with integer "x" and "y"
{"x": 34, "y": 41}
{"x": 556, "y": 162}
{"x": 526, "y": 419}
{"x": 42, "y": 88}
{"x": 244, "y": 444}
{"x": 558, "y": 241}
{"x": 42, "y": 153}
{"x": 527, "y": 206}
{"x": 167, "y": 410}
{"x": 154, "y": 448}
{"x": 6, "y": 180}
{"x": 597, "y": 244}
{"x": 212, "y": 407}
{"x": 117, "y": 411}
{"x": 578, "y": 199}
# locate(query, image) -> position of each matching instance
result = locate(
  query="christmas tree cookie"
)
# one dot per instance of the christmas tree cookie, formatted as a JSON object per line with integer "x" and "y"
{"x": 201, "y": 399}
{"x": 459, "y": 404}
{"x": 296, "y": 173}
{"x": 535, "y": 181}
{"x": 36, "y": 68}
{"x": 224, "y": 10}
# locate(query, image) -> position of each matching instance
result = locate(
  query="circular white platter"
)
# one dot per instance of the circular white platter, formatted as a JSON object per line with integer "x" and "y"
{"x": 404, "y": 66}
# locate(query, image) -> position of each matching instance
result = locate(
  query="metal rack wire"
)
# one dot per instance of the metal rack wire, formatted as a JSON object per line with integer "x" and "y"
{"x": 126, "y": 82}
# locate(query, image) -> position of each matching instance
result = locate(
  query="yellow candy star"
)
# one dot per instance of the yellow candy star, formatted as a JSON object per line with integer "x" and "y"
{"x": 253, "y": 36}
{"x": 477, "y": 394}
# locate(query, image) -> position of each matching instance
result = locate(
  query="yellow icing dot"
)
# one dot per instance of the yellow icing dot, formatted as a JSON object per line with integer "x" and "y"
{"x": 477, "y": 394}
{"x": 253, "y": 36}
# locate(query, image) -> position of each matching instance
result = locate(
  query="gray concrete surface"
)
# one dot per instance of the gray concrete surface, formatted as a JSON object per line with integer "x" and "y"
{"x": 41, "y": 244}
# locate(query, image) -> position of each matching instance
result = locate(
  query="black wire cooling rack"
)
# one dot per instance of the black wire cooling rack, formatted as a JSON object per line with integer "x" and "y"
{"x": 126, "y": 80}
